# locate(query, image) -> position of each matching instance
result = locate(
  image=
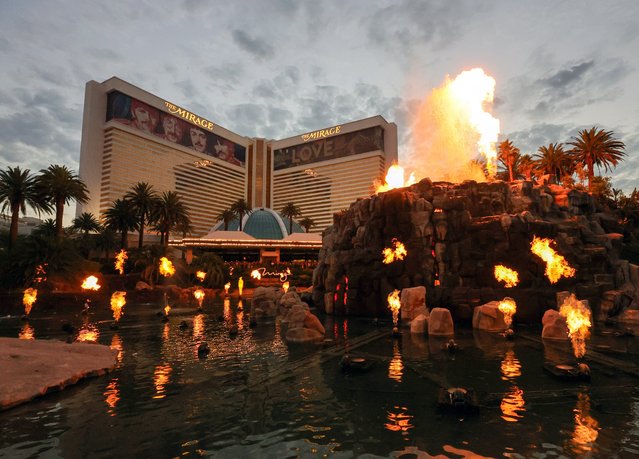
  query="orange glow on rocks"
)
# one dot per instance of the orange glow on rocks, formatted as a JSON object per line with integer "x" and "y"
{"x": 508, "y": 276}
{"x": 556, "y": 265}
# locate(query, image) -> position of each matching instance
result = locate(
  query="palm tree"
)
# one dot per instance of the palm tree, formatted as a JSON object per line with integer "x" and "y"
{"x": 290, "y": 211}
{"x": 307, "y": 223}
{"x": 86, "y": 222}
{"x": 17, "y": 189}
{"x": 60, "y": 186}
{"x": 553, "y": 160}
{"x": 227, "y": 216}
{"x": 508, "y": 154}
{"x": 106, "y": 242}
{"x": 142, "y": 196}
{"x": 526, "y": 166}
{"x": 167, "y": 211}
{"x": 596, "y": 147}
{"x": 120, "y": 217}
{"x": 241, "y": 207}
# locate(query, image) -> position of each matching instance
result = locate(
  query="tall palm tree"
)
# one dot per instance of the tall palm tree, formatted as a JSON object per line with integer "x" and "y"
{"x": 142, "y": 196}
{"x": 17, "y": 190}
{"x": 86, "y": 222}
{"x": 508, "y": 154}
{"x": 167, "y": 211}
{"x": 596, "y": 147}
{"x": 227, "y": 216}
{"x": 307, "y": 223}
{"x": 553, "y": 160}
{"x": 290, "y": 211}
{"x": 120, "y": 217}
{"x": 60, "y": 186}
{"x": 526, "y": 166}
{"x": 241, "y": 207}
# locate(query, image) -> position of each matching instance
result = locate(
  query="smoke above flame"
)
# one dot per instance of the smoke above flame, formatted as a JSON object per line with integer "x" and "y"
{"x": 453, "y": 129}
{"x": 579, "y": 320}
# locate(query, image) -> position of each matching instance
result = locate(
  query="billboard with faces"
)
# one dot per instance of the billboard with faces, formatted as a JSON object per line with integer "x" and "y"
{"x": 132, "y": 112}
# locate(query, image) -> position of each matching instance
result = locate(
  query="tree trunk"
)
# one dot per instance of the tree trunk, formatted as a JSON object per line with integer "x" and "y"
{"x": 123, "y": 243}
{"x": 241, "y": 215}
{"x": 13, "y": 232}
{"x": 591, "y": 173}
{"x": 290, "y": 225}
{"x": 510, "y": 171}
{"x": 141, "y": 236}
{"x": 59, "y": 213}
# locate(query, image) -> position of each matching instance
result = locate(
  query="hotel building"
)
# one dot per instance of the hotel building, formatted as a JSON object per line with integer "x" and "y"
{"x": 130, "y": 136}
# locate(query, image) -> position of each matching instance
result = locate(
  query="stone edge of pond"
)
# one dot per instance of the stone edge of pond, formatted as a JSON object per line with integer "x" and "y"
{"x": 33, "y": 368}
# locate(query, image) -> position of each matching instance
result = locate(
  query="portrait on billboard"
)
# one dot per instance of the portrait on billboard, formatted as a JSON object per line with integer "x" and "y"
{"x": 170, "y": 128}
{"x": 339, "y": 146}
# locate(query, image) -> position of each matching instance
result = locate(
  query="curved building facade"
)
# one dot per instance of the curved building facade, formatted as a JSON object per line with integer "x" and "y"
{"x": 130, "y": 135}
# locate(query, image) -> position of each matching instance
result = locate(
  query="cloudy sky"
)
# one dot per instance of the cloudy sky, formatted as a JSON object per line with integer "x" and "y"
{"x": 275, "y": 68}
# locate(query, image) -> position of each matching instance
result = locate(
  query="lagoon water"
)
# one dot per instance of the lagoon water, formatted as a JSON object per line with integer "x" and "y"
{"x": 256, "y": 396}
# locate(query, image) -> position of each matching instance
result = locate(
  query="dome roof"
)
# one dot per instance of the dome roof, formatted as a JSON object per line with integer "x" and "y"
{"x": 262, "y": 223}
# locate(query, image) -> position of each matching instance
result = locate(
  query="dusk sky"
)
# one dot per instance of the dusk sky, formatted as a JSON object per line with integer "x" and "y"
{"x": 278, "y": 68}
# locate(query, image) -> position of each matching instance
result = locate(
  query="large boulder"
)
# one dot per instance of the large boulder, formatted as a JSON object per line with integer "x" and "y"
{"x": 489, "y": 318}
{"x": 419, "y": 324}
{"x": 303, "y": 326}
{"x": 413, "y": 302}
{"x": 554, "y": 326}
{"x": 288, "y": 300}
{"x": 264, "y": 302}
{"x": 440, "y": 322}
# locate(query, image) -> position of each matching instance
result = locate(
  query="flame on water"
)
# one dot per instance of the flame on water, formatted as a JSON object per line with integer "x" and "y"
{"x": 586, "y": 427}
{"x": 90, "y": 283}
{"x": 201, "y": 275}
{"x": 199, "y": 296}
{"x": 166, "y": 267}
{"x": 285, "y": 286}
{"x": 452, "y": 128}
{"x": 509, "y": 276}
{"x": 118, "y": 301}
{"x": 88, "y": 334}
{"x": 255, "y": 274}
{"x": 167, "y": 308}
{"x": 227, "y": 286}
{"x": 28, "y": 298}
{"x": 394, "y": 179}
{"x": 27, "y": 332}
{"x": 400, "y": 421}
{"x": 120, "y": 259}
{"x": 112, "y": 396}
{"x": 556, "y": 265}
{"x": 396, "y": 252}
{"x": 240, "y": 285}
{"x": 161, "y": 377}
{"x": 396, "y": 366}
{"x": 508, "y": 307}
{"x": 394, "y": 304}
{"x": 579, "y": 320}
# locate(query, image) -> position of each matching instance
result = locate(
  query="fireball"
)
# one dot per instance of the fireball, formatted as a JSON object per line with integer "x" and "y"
{"x": 255, "y": 274}
{"x": 509, "y": 276}
{"x": 90, "y": 283}
{"x": 166, "y": 267}
{"x": 396, "y": 252}
{"x": 28, "y": 298}
{"x": 118, "y": 301}
{"x": 199, "y": 296}
{"x": 120, "y": 259}
{"x": 394, "y": 305}
{"x": 556, "y": 265}
{"x": 508, "y": 307}
{"x": 394, "y": 179}
{"x": 579, "y": 320}
{"x": 201, "y": 275}
{"x": 240, "y": 285}
{"x": 167, "y": 308}
{"x": 227, "y": 286}
{"x": 285, "y": 286}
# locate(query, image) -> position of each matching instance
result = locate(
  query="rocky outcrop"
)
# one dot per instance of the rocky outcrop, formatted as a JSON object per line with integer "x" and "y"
{"x": 302, "y": 325}
{"x": 555, "y": 327}
{"x": 413, "y": 303}
{"x": 489, "y": 318}
{"x": 440, "y": 323}
{"x": 265, "y": 302}
{"x": 455, "y": 234}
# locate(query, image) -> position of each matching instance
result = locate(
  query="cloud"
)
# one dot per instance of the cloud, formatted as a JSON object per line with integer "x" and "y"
{"x": 255, "y": 46}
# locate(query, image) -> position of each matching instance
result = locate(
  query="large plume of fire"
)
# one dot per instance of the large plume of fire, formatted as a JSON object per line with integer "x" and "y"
{"x": 28, "y": 298}
{"x": 394, "y": 304}
{"x": 166, "y": 267}
{"x": 199, "y": 296}
{"x": 120, "y": 259}
{"x": 394, "y": 179}
{"x": 118, "y": 301}
{"x": 508, "y": 307}
{"x": 90, "y": 283}
{"x": 510, "y": 277}
{"x": 396, "y": 252}
{"x": 579, "y": 320}
{"x": 556, "y": 265}
{"x": 453, "y": 127}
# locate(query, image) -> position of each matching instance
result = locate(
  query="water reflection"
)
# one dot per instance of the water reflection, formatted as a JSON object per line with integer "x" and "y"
{"x": 513, "y": 403}
{"x": 227, "y": 311}
{"x": 510, "y": 366}
{"x": 239, "y": 315}
{"x": 586, "y": 427}
{"x": 165, "y": 332}
{"x": 27, "y": 332}
{"x": 396, "y": 366}
{"x": 116, "y": 343}
{"x": 161, "y": 377}
{"x": 198, "y": 326}
{"x": 399, "y": 420}
{"x": 112, "y": 396}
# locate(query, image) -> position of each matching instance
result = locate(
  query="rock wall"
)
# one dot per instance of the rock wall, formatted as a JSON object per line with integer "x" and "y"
{"x": 455, "y": 234}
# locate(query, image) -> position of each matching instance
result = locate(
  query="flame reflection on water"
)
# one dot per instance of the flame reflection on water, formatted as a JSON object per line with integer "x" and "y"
{"x": 586, "y": 427}
{"x": 112, "y": 394}
{"x": 396, "y": 366}
{"x": 399, "y": 421}
{"x": 161, "y": 377}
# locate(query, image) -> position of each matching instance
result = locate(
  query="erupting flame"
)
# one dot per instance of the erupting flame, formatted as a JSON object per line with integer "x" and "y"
{"x": 452, "y": 126}
{"x": 394, "y": 304}
{"x": 394, "y": 179}
{"x": 90, "y": 283}
{"x": 255, "y": 274}
{"x": 556, "y": 265}
{"x": 199, "y": 296}
{"x": 88, "y": 334}
{"x": 578, "y": 318}
{"x": 28, "y": 298}
{"x": 508, "y": 307}
{"x": 120, "y": 259}
{"x": 509, "y": 276}
{"x": 167, "y": 308}
{"x": 201, "y": 275}
{"x": 396, "y": 252}
{"x": 240, "y": 285}
{"x": 118, "y": 301}
{"x": 26, "y": 332}
{"x": 285, "y": 286}
{"x": 227, "y": 286}
{"x": 166, "y": 267}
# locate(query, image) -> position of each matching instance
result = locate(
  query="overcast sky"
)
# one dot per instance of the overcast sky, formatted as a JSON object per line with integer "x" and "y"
{"x": 278, "y": 68}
